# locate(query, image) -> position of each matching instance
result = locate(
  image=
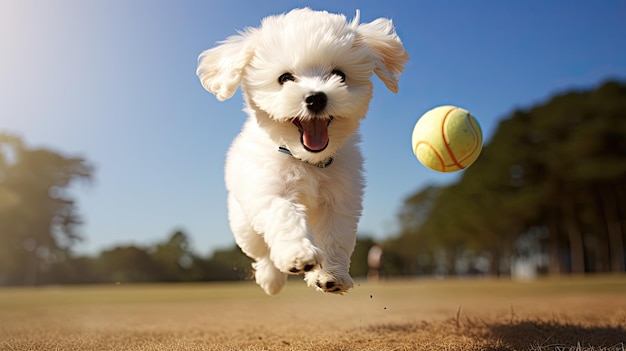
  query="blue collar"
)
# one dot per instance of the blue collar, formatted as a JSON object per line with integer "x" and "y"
{"x": 328, "y": 162}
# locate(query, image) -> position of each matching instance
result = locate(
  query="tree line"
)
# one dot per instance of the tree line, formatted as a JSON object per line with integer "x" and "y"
{"x": 549, "y": 190}
{"x": 170, "y": 260}
{"x": 39, "y": 221}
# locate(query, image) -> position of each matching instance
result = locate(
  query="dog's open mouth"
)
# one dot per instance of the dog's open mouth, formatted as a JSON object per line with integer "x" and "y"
{"x": 313, "y": 133}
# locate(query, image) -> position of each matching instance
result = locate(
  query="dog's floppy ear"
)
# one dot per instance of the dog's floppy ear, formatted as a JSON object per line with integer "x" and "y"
{"x": 381, "y": 37}
{"x": 220, "y": 69}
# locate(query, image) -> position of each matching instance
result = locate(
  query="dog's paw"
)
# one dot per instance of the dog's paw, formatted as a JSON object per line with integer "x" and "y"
{"x": 295, "y": 257}
{"x": 331, "y": 283}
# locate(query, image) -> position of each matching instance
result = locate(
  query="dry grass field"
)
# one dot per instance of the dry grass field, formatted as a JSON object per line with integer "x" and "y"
{"x": 579, "y": 313}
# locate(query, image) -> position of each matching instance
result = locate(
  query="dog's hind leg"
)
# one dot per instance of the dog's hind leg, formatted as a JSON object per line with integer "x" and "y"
{"x": 267, "y": 276}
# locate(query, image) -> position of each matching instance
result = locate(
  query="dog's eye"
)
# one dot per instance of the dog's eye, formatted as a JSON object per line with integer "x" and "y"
{"x": 286, "y": 77}
{"x": 340, "y": 74}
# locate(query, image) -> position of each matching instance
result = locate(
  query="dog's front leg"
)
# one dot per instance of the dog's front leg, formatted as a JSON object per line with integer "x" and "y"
{"x": 335, "y": 233}
{"x": 284, "y": 226}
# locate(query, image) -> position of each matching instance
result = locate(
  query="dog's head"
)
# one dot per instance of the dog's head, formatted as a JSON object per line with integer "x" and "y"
{"x": 306, "y": 75}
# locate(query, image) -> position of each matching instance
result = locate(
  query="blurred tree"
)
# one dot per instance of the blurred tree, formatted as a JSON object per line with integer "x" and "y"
{"x": 75, "y": 269}
{"x": 580, "y": 143}
{"x": 358, "y": 260}
{"x": 38, "y": 217}
{"x": 227, "y": 264}
{"x": 560, "y": 165}
{"x": 411, "y": 251}
{"x": 125, "y": 264}
{"x": 174, "y": 258}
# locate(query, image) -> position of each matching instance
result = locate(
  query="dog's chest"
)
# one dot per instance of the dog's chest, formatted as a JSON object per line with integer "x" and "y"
{"x": 311, "y": 187}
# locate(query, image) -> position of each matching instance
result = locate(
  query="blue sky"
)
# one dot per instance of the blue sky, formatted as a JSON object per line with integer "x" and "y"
{"x": 114, "y": 81}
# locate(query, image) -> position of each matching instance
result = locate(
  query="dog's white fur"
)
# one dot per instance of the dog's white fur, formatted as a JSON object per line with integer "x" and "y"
{"x": 286, "y": 213}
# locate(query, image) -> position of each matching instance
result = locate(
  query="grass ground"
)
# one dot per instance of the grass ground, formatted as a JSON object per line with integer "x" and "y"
{"x": 579, "y": 313}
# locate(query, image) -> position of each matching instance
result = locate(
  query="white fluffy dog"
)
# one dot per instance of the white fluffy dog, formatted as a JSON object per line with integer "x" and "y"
{"x": 294, "y": 173}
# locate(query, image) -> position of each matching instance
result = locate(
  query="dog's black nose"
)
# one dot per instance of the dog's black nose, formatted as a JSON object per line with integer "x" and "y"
{"x": 316, "y": 102}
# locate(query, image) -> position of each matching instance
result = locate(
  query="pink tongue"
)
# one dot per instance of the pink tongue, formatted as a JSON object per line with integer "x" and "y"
{"x": 315, "y": 134}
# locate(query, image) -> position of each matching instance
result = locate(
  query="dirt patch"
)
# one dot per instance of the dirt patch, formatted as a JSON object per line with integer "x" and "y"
{"x": 572, "y": 314}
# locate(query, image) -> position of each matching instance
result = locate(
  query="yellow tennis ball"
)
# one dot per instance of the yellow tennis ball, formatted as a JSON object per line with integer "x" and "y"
{"x": 447, "y": 139}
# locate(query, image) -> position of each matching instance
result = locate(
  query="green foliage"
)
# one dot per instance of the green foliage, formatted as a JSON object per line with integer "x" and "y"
{"x": 550, "y": 183}
{"x": 39, "y": 223}
{"x": 228, "y": 264}
{"x": 358, "y": 266}
{"x": 38, "y": 217}
{"x": 168, "y": 261}
{"x": 560, "y": 165}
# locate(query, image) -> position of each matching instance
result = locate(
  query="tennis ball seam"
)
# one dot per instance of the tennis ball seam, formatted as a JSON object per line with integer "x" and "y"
{"x": 445, "y": 140}
{"x": 433, "y": 149}
{"x": 443, "y": 151}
